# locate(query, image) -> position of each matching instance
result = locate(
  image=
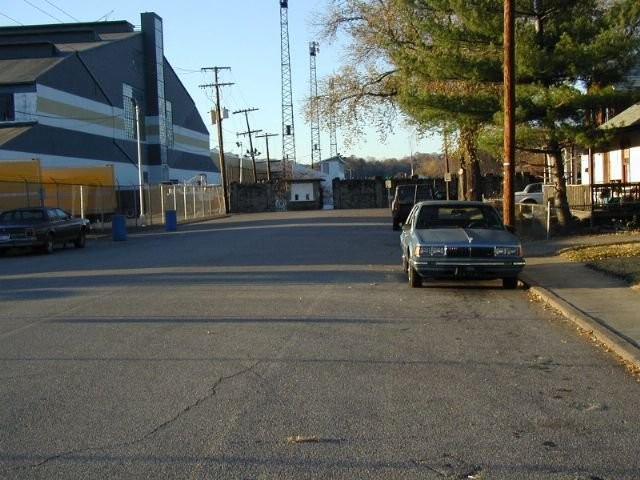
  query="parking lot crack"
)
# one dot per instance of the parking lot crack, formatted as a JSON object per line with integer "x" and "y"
{"x": 211, "y": 392}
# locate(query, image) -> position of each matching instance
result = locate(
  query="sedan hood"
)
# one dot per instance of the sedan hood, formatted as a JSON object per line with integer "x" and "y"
{"x": 466, "y": 236}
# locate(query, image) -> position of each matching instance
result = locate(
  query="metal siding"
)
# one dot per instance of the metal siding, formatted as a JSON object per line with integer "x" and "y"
{"x": 97, "y": 74}
{"x": 188, "y": 161}
{"x": 72, "y": 77}
{"x": 39, "y": 140}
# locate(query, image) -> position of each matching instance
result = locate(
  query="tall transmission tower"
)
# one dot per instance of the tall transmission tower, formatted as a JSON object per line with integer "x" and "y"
{"x": 333, "y": 137}
{"x": 288, "y": 132}
{"x": 316, "y": 157}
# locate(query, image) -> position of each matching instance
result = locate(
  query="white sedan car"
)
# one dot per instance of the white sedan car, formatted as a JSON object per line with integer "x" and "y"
{"x": 459, "y": 240}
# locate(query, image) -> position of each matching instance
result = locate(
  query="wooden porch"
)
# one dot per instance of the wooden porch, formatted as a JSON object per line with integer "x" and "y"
{"x": 606, "y": 200}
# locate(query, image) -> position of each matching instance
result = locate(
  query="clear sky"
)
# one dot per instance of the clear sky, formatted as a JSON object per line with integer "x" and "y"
{"x": 245, "y": 36}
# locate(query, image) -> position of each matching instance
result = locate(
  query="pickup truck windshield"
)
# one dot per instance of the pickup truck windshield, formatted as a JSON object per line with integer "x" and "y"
{"x": 413, "y": 193}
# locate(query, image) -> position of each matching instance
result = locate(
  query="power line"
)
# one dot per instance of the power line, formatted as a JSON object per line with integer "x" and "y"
{"x": 61, "y": 10}
{"x": 105, "y": 16}
{"x": 185, "y": 71}
{"x": 252, "y": 152}
{"x": 12, "y": 19}
{"x": 43, "y": 11}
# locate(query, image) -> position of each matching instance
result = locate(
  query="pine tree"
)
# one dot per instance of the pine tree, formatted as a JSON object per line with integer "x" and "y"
{"x": 570, "y": 56}
{"x": 440, "y": 63}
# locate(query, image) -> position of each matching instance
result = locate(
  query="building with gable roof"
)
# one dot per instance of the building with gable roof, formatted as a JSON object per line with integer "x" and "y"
{"x": 68, "y": 97}
{"x": 620, "y": 160}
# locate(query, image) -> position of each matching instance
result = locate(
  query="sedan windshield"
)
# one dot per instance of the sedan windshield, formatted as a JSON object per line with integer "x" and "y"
{"x": 472, "y": 216}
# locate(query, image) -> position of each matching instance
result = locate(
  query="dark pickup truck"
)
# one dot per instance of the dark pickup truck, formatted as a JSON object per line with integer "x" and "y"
{"x": 405, "y": 197}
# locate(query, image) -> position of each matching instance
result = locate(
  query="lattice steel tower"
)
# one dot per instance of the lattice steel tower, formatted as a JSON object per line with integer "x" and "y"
{"x": 333, "y": 137}
{"x": 316, "y": 157}
{"x": 288, "y": 132}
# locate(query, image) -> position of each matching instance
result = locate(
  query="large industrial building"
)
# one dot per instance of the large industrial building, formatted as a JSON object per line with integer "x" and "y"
{"x": 68, "y": 97}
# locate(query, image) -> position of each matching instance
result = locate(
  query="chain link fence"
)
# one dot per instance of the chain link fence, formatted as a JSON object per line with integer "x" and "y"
{"x": 100, "y": 202}
{"x": 533, "y": 221}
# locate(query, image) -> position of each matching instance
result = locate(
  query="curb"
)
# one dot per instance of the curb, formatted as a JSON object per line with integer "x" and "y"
{"x": 604, "y": 334}
{"x": 106, "y": 232}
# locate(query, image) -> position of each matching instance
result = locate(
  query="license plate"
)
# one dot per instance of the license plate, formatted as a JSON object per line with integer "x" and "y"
{"x": 466, "y": 272}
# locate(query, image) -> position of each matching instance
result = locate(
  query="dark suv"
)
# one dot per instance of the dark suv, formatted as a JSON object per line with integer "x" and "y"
{"x": 406, "y": 196}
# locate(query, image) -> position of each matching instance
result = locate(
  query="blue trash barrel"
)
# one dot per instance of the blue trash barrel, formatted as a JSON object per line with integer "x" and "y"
{"x": 119, "y": 227}
{"x": 170, "y": 221}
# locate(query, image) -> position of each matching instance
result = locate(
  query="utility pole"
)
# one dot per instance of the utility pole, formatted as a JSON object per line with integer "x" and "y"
{"x": 447, "y": 174}
{"x": 249, "y": 132}
{"x": 223, "y": 167}
{"x": 240, "y": 174}
{"x": 266, "y": 138}
{"x": 139, "y": 144}
{"x": 508, "y": 200}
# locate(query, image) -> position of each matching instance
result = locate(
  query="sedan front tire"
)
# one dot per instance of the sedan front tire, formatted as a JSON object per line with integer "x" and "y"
{"x": 415, "y": 280}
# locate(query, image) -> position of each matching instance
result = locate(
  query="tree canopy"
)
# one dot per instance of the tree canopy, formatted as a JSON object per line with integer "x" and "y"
{"x": 439, "y": 62}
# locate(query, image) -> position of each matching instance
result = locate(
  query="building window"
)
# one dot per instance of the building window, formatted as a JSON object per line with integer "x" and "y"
{"x": 130, "y": 97}
{"x": 170, "y": 138}
{"x": 7, "y": 109}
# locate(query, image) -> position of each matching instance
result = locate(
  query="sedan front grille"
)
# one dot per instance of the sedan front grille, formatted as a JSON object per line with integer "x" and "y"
{"x": 459, "y": 252}
{"x": 470, "y": 252}
{"x": 482, "y": 252}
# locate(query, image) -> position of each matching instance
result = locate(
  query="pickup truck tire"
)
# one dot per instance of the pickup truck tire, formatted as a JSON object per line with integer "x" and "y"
{"x": 81, "y": 239}
{"x": 509, "y": 283}
{"x": 47, "y": 246}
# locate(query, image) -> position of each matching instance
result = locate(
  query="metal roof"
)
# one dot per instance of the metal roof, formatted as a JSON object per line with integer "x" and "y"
{"x": 26, "y": 52}
{"x": 56, "y": 28}
{"x": 627, "y": 118}
{"x": 25, "y": 70}
{"x": 9, "y": 133}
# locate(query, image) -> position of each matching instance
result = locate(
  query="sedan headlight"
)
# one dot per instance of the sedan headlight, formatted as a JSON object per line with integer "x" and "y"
{"x": 508, "y": 252}
{"x": 424, "y": 251}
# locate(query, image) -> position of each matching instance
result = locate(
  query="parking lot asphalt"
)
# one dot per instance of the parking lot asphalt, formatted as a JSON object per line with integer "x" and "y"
{"x": 600, "y": 304}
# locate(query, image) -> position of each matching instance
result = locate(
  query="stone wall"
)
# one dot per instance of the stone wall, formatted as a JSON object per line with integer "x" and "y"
{"x": 366, "y": 193}
{"x": 252, "y": 198}
{"x": 377, "y": 193}
{"x": 269, "y": 197}
{"x": 347, "y": 194}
